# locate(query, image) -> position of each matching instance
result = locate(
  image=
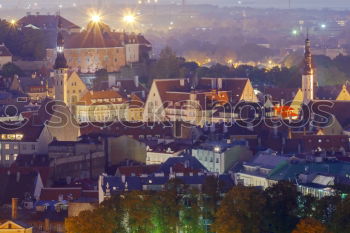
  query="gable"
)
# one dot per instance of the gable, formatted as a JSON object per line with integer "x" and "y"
{"x": 13, "y": 225}
{"x": 344, "y": 94}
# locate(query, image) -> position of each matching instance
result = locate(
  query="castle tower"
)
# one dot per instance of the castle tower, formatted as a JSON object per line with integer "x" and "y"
{"x": 308, "y": 75}
{"x": 61, "y": 68}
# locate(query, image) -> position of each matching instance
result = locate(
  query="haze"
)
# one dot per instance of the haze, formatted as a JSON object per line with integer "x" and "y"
{"x": 37, "y": 4}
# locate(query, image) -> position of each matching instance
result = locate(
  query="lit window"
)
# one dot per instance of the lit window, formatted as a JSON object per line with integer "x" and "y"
{"x": 15, "y": 156}
{"x": 7, "y": 146}
{"x": 7, "y": 157}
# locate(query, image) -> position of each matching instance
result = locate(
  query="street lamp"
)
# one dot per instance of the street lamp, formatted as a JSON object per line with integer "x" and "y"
{"x": 96, "y": 18}
{"x": 129, "y": 18}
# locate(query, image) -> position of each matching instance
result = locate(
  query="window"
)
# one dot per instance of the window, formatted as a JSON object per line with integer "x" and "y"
{"x": 217, "y": 160}
{"x": 15, "y": 147}
{"x": 15, "y": 157}
{"x": 7, "y": 146}
{"x": 7, "y": 157}
{"x": 33, "y": 147}
{"x": 24, "y": 147}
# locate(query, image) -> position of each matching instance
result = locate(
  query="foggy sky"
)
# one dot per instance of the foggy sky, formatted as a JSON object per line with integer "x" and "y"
{"x": 334, "y": 4}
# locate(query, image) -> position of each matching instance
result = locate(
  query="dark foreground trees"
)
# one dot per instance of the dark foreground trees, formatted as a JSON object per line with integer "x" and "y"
{"x": 179, "y": 208}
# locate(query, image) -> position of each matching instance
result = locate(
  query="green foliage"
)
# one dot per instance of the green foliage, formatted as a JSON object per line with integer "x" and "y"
{"x": 167, "y": 66}
{"x": 310, "y": 225}
{"x": 29, "y": 44}
{"x": 179, "y": 208}
{"x": 281, "y": 207}
{"x": 240, "y": 211}
{"x": 10, "y": 69}
{"x": 101, "y": 77}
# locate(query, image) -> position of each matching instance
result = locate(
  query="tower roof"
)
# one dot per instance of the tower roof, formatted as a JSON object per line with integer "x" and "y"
{"x": 308, "y": 57}
{"x": 61, "y": 62}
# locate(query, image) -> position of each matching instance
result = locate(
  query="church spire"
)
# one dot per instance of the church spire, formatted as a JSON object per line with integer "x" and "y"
{"x": 61, "y": 62}
{"x": 308, "y": 57}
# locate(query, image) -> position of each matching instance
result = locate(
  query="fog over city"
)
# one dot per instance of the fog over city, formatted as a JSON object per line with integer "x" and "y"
{"x": 33, "y": 4}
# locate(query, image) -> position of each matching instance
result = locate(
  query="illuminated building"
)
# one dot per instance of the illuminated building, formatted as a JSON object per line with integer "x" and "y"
{"x": 98, "y": 47}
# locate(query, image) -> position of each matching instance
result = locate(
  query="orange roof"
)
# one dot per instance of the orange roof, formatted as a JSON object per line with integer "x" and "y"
{"x": 102, "y": 97}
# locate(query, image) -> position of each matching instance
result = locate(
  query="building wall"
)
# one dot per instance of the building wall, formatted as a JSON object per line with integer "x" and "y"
{"x": 62, "y": 125}
{"x": 135, "y": 114}
{"x": 221, "y": 161}
{"x": 153, "y": 107}
{"x": 101, "y": 112}
{"x": 344, "y": 94}
{"x": 89, "y": 60}
{"x": 75, "y": 89}
{"x": 4, "y": 60}
{"x": 132, "y": 53}
{"x": 248, "y": 93}
{"x": 160, "y": 157}
{"x": 10, "y": 227}
{"x": 124, "y": 147}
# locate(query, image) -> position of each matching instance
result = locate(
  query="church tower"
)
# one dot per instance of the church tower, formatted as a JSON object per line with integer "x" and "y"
{"x": 308, "y": 74}
{"x": 61, "y": 68}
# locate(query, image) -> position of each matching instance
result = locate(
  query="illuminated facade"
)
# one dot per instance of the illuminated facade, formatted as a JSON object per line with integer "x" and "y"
{"x": 308, "y": 82}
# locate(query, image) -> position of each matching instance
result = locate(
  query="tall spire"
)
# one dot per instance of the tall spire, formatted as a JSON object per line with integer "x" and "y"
{"x": 61, "y": 62}
{"x": 308, "y": 56}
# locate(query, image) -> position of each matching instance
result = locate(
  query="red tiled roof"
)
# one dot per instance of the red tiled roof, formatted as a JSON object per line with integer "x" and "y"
{"x": 46, "y": 22}
{"x": 4, "y": 51}
{"x": 51, "y": 194}
{"x": 137, "y": 170}
{"x": 109, "y": 96}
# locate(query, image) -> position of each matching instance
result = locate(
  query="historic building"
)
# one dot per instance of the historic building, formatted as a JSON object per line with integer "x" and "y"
{"x": 308, "y": 79}
{"x": 98, "y": 47}
{"x": 5, "y": 55}
{"x": 178, "y": 99}
{"x": 68, "y": 86}
{"x": 46, "y": 23}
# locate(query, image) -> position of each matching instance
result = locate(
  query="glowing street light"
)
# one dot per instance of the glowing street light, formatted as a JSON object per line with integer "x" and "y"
{"x": 129, "y": 18}
{"x": 13, "y": 22}
{"x": 96, "y": 18}
{"x": 295, "y": 32}
{"x": 323, "y": 26}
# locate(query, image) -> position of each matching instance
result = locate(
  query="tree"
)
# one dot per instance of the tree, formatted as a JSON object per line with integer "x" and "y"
{"x": 191, "y": 213}
{"x": 167, "y": 66}
{"x": 340, "y": 222}
{"x": 137, "y": 209}
{"x": 281, "y": 207}
{"x": 100, "y": 220}
{"x": 241, "y": 210}
{"x": 165, "y": 212}
{"x": 10, "y": 69}
{"x": 101, "y": 77}
{"x": 310, "y": 225}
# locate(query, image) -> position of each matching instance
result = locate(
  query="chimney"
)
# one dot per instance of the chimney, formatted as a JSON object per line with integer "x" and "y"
{"x": 219, "y": 83}
{"x": 47, "y": 225}
{"x": 182, "y": 82}
{"x": 18, "y": 177}
{"x": 136, "y": 80}
{"x": 213, "y": 83}
{"x": 14, "y": 208}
